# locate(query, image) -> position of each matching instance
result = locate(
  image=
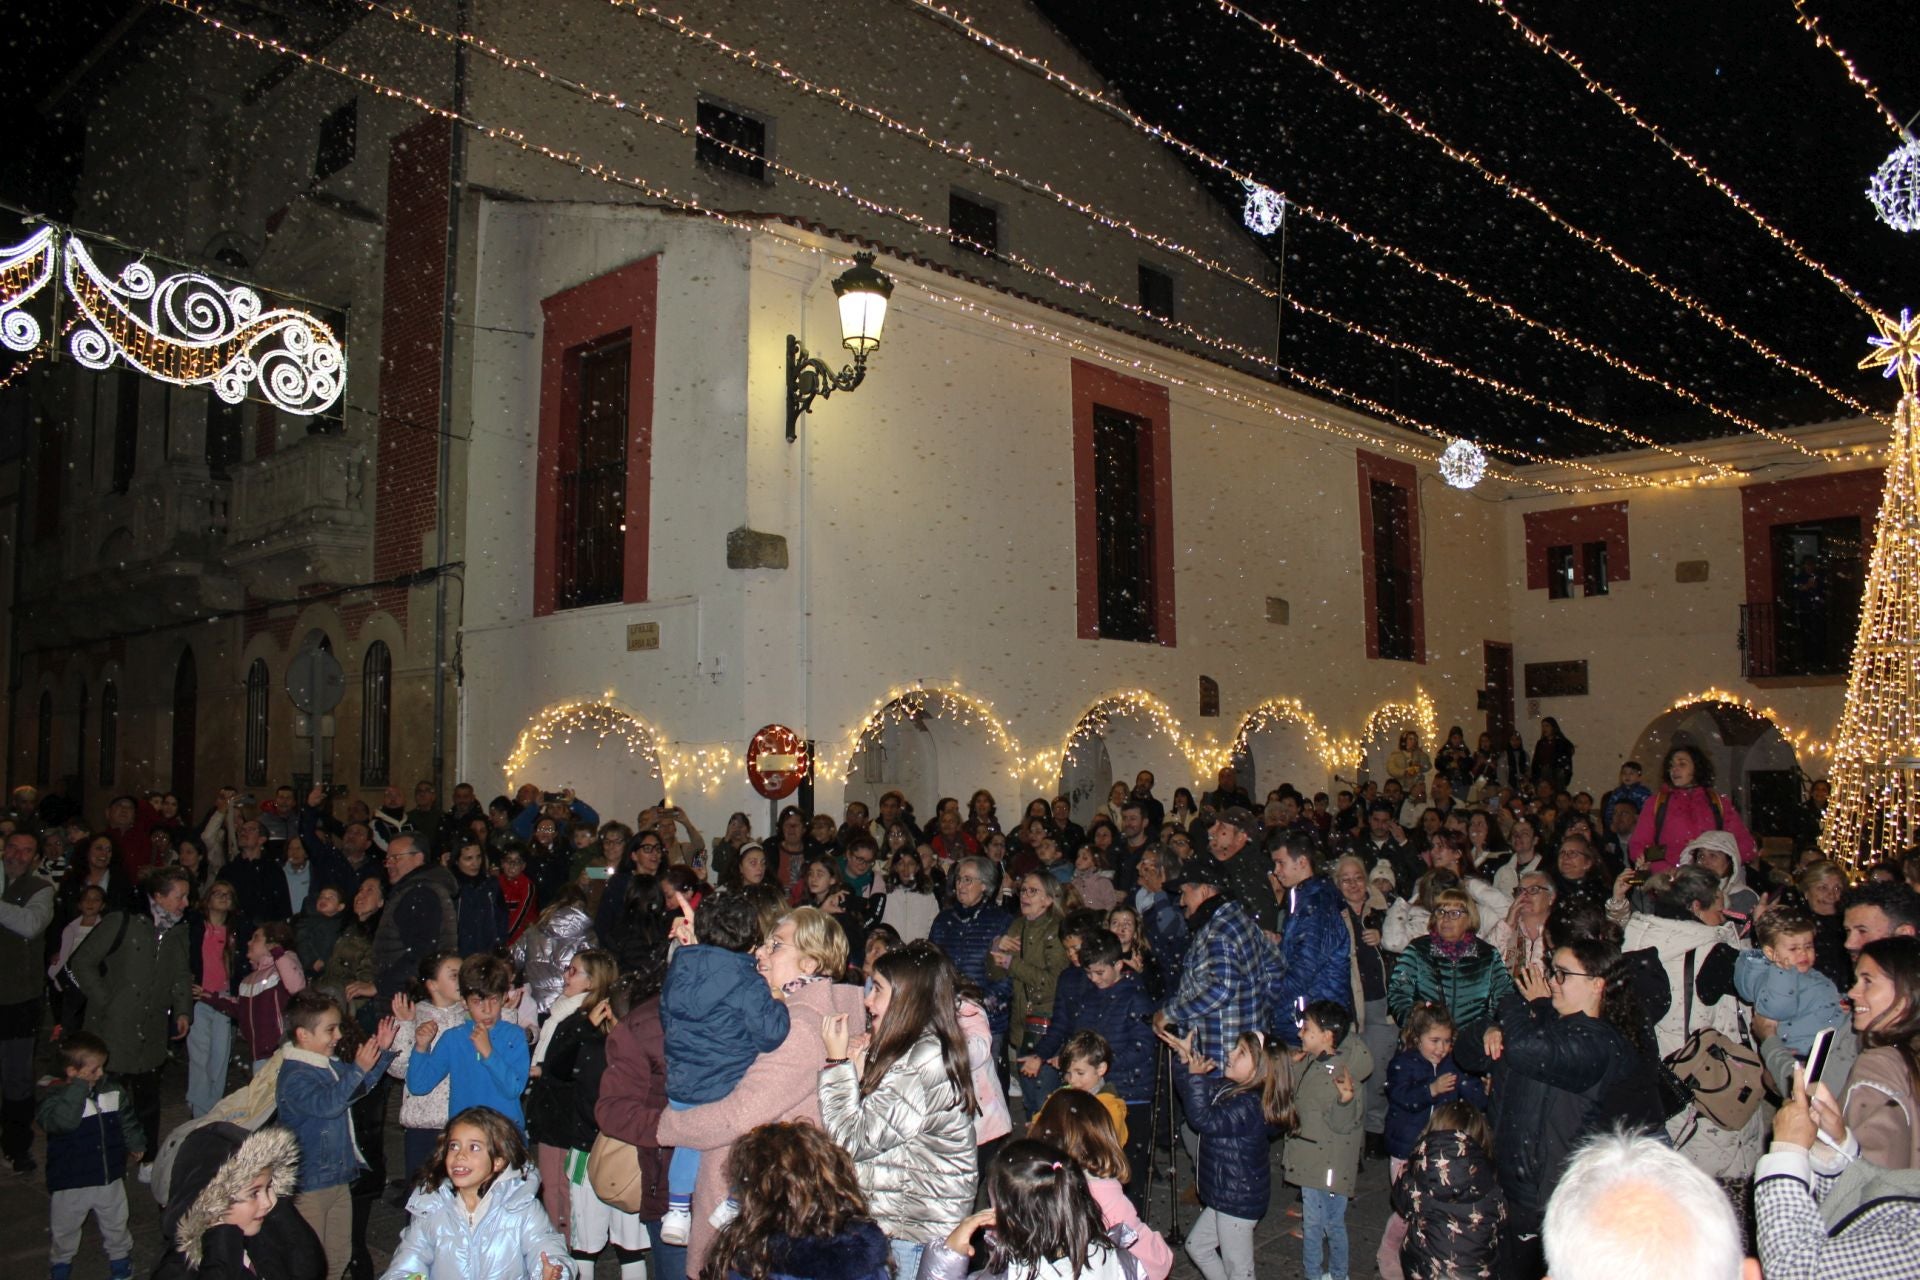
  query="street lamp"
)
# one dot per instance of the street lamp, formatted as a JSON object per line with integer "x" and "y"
{"x": 862, "y": 291}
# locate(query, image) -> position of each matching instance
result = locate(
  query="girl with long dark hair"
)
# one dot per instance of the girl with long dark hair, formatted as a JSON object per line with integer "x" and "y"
{"x": 905, "y": 1109}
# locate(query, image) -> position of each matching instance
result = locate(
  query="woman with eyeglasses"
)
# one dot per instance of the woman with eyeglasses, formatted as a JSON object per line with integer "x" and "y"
{"x": 1521, "y": 936}
{"x": 1455, "y": 966}
{"x": 1565, "y": 1069}
{"x": 966, "y": 932}
{"x": 1697, "y": 946}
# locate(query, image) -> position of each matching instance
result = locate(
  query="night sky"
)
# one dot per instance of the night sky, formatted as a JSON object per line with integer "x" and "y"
{"x": 1736, "y": 82}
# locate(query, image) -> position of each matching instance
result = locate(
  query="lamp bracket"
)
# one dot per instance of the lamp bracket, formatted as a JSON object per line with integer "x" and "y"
{"x": 809, "y": 378}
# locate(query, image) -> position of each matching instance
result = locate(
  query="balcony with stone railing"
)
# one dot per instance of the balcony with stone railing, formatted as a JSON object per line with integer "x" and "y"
{"x": 302, "y": 514}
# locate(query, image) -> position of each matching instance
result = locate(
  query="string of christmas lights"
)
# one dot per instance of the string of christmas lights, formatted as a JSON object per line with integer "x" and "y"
{"x": 1546, "y": 45}
{"x": 1719, "y": 470}
{"x": 599, "y": 721}
{"x": 963, "y": 153}
{"x": 1147, "y": 368}
{"x": 925, "y": 226}
{"x": 966, "y": 26}
{"x": 611, "y": 175}
{"x": 1854, "y": 75}
{"x": 916, "y": 222}
{"x": 1506, "y": 183}
{"x": 1801, "y": 740}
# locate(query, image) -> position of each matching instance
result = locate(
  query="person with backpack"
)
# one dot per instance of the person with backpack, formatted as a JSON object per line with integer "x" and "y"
{"x": 1685, "y": 806}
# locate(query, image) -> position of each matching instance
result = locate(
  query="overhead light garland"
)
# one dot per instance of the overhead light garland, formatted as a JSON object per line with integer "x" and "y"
{"x": 1854, "y": 76}
{"x": 965, "y": 154}
{"x": 1546, "y": 45}
{"x": 609, "y": 174}
{"x": 1875, "y": 810}
{"x": 1895, "y": 187}
{"x": 1463, "y": 464}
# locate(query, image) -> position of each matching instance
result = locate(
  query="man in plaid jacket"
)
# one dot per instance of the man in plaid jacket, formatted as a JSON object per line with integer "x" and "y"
{"x": 1827, "y": 1213}
{"x": 1223, "y": 985}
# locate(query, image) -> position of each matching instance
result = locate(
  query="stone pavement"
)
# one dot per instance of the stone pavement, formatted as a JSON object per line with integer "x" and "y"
{"x": 24, "y": 1238}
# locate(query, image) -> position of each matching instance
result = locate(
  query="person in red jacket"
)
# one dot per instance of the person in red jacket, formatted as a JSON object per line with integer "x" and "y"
{"x": 130, "y": 825}
{"x": 1685, "y": 806}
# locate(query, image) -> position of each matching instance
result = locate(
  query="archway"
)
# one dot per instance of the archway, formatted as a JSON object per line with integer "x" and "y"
{"x": 604, "y": 752}
{"x": 1281, "y": 742}
{"x": 1381, "y": 735}
{"x": 1753, "y": 762}
{"x": 932, "y": 743}
{"x": 1114, "y": 740}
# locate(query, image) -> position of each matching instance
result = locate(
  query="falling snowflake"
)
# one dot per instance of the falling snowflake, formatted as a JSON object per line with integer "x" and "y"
{"x": 1463, "y": 464}
{"x": 1894, "y": 188}
{"x": 1265, "y": 210}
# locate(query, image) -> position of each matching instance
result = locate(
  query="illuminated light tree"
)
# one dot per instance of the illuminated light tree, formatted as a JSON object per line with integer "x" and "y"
{"x": 1875, "y": 810}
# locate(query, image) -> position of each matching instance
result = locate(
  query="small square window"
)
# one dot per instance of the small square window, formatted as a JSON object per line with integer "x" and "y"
{"x": 1559, "y": 573}
{"x": 1593, "y": 568}
{"x": 973, "y": 225}
{"x": 339, "y": 134}
{"x": 732, "y": 141}
{"x": 1156, "y": 291}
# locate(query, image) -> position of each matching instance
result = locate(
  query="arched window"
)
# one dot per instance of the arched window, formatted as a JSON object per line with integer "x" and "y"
{"x": 109, "y": 731}
{"x": 186, "y": 725}
{"x": 43, "y": 745}
{"x": 376, "y": 714}
{"x": 257, "y": 723}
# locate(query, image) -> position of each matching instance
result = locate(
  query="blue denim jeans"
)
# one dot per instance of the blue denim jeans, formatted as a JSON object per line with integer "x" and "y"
{"x": 906, "y": 1258}
{"x": 1323, "y": 1218}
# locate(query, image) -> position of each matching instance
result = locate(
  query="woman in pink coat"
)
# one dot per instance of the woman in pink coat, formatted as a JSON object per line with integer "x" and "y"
{"x": 1685, "y": 806}
{"x": 803, "y": 961}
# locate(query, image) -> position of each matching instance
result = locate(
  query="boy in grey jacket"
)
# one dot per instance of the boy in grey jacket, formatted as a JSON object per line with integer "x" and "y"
{"x": 1779, "y": 980}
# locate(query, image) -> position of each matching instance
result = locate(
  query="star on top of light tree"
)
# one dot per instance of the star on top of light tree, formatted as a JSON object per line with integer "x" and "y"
{"x": 1896, "y": 348}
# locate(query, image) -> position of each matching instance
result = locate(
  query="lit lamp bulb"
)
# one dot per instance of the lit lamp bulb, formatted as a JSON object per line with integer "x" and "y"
{"x": 863, "y": 292}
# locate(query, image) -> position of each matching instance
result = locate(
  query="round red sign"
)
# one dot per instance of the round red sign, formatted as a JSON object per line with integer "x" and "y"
{"x": 777, "y": 761}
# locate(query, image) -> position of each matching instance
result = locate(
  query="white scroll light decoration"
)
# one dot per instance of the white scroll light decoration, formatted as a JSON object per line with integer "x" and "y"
{"x": 197, "y": 332}
{"x": 1265, "y": 208}
{"x": 1895, "y": 187}
{"x": 1463, "y": 464}
{"x": 25, "y": 269}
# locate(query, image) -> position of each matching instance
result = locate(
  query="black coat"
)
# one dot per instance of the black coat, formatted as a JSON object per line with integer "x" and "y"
{"x": 1450, "y": 1196}
{"x": 1555, "y": 1084}
{"x": 553, "y": 1114}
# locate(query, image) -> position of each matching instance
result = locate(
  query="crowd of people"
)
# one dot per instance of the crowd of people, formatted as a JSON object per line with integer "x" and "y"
{"x": 1576, "y": 1033}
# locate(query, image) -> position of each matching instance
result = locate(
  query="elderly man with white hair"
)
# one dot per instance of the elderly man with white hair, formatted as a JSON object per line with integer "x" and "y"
{"x": 1633, "y": 1206}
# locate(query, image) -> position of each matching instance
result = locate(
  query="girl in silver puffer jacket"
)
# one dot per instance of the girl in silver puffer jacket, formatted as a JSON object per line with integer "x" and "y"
{"x": 544, "y": 951}
{"x": 905, "y": 1112}
{"x": 481, "y": 1166}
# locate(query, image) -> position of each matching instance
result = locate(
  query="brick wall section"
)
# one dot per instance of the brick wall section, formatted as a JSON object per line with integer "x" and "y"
{"x": 413, "y": 294}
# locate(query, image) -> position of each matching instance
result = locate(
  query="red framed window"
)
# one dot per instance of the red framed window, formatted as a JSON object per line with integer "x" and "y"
{"x": 1123, "y": 507}
{"x": 596, "y": 441}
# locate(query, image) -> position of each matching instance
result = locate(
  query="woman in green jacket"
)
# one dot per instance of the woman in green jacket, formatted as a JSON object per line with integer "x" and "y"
{"x": 1033, "y": 955}
{"x": 1453, "y": 965}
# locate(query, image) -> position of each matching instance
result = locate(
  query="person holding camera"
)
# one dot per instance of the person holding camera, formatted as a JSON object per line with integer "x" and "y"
{"x": 664, "y": 818}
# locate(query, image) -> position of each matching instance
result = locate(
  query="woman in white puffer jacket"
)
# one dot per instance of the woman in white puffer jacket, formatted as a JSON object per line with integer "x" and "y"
{"x": 904, "y": 1107}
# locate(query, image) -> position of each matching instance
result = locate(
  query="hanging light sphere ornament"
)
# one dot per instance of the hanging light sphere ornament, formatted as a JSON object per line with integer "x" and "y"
{"x": 1463, "y": 464}
{"x": 1265, "y": 208}
{"x": 1895, "y": 187}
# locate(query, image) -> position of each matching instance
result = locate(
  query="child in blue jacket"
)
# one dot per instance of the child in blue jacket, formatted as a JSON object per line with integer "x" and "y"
{"x": 716, "y": 1017}
{"x": 92, "y": 1135}
{"x": 314, "y": 1093}
{"x": 487, "y": 1062}
{"x": 1114, "y": 1003}
{"x": 1422, "y": 1076}
{"x": 1778, "y": 979}
{"x": 1236, "y": 1114}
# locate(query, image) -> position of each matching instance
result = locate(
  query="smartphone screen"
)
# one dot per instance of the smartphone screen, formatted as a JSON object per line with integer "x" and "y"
{"x": 1817, "y": 1055}
{"x": 598, "y": 873}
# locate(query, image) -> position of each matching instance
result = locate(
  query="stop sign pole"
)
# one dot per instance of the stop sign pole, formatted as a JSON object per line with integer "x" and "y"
{"x": 316, "y": 684}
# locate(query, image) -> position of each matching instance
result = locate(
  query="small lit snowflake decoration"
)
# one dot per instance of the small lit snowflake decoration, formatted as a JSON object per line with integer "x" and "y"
{"x": 1266, "y": 208}
{"x": 1463, "y": 464}
{"x": 1894, "y": 188}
